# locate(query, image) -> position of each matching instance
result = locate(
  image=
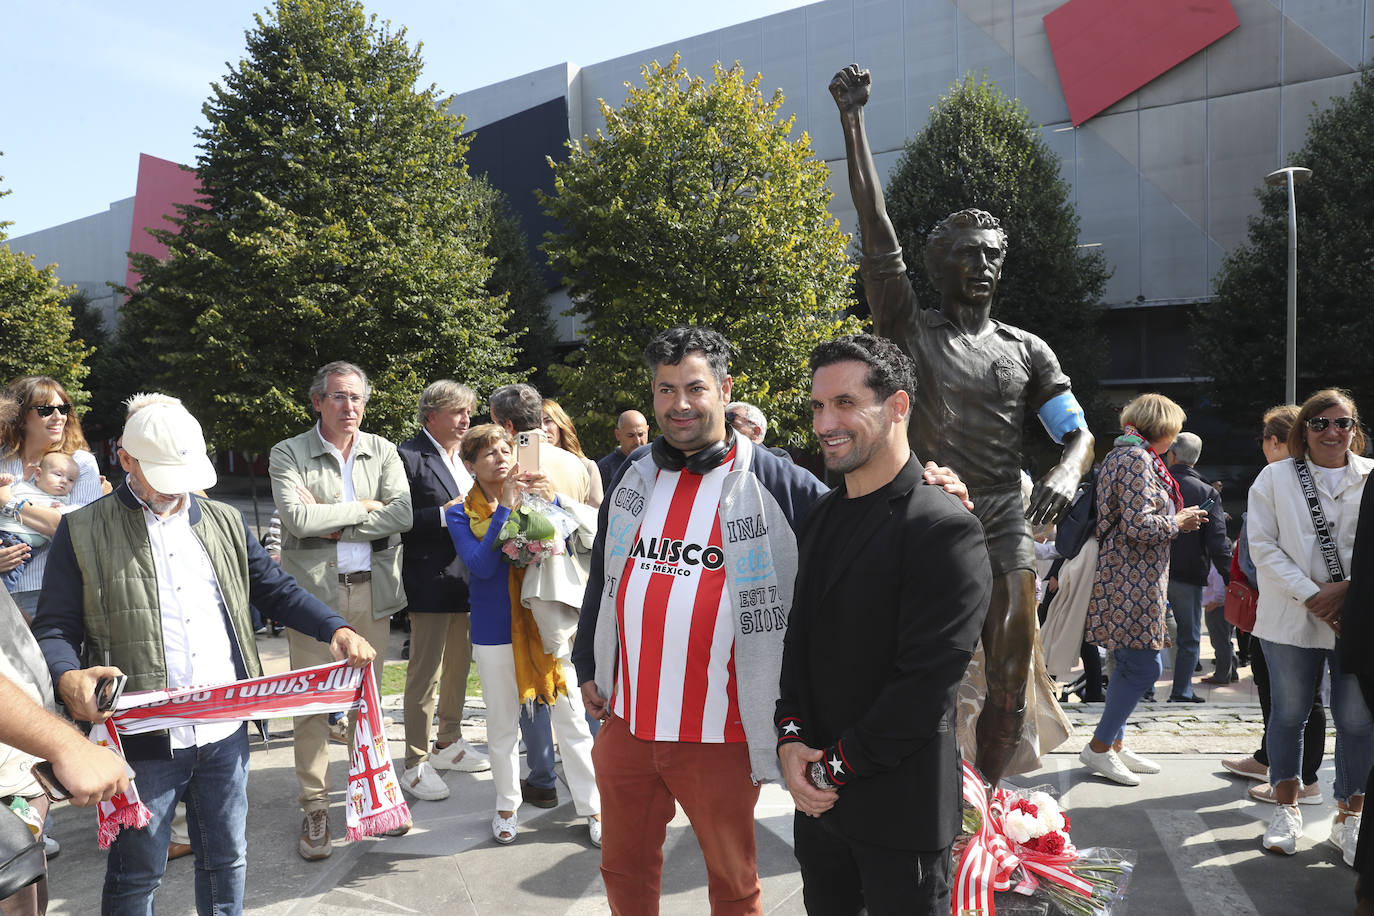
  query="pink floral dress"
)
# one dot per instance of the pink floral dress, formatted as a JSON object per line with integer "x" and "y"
{"x": 1135, "y": 525}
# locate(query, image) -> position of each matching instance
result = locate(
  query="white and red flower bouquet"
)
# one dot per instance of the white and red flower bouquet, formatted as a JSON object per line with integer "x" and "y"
{"x": 1015, "y": 856}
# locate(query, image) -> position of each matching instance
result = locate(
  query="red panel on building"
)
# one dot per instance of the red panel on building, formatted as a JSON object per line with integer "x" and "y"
{"x": 162, "y": 185}
{"x": 1106, "y": 49}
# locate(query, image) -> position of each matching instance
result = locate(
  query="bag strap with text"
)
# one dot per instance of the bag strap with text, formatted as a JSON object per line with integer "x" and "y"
{"x": 1314, "y": 506}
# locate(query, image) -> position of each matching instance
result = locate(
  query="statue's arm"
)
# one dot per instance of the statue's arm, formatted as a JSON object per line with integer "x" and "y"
{"x": 850, "y": 89}
{"x": 1053, "y": 492}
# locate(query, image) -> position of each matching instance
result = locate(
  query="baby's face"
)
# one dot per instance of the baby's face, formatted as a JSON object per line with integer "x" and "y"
{"x": 56, "y": 478}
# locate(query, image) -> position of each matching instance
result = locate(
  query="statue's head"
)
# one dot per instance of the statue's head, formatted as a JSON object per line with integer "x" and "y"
{"x": 964, "y": 255}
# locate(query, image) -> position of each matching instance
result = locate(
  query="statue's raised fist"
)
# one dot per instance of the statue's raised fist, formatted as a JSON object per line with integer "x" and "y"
{"x": 850, "y": 88}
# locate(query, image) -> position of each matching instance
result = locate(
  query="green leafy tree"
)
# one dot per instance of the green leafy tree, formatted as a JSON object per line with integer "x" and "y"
{"x": 35, "y": 325}
{"x": 335, "y": 222}
{"x": 1241, "y": 336}
{"x": 696, "y": 205}
{"x": 980, "y": 149}
{"x": 515, "y": 276}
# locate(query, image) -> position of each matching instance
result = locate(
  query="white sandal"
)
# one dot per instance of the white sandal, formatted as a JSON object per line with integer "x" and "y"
{"x": 503, "y": 829}
{"x": 594, "y": 826}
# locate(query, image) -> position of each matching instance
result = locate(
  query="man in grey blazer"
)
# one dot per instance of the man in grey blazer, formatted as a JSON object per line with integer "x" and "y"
{"x": 344, "y": 502}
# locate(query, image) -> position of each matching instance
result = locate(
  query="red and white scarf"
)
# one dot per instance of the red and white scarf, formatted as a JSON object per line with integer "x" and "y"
{"x": 374, "y": 804}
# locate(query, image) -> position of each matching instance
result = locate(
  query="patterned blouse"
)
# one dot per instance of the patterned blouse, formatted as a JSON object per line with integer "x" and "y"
{"x": 1135, "y": 525}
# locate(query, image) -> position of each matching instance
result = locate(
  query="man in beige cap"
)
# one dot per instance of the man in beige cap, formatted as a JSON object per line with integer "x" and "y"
{"x": 154, "y": 582}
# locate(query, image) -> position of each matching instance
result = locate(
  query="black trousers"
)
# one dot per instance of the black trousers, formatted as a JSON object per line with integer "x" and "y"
{"x": 842, "y": 877}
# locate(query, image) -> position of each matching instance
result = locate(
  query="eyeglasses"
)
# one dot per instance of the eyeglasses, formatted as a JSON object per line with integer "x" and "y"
{"x": 1319, "y": 424}
{"x": 45, "y": 410}
{"x": 340, "y": 397}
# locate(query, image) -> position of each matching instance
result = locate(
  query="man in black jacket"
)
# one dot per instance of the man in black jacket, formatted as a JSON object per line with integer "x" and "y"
{"x": 892, "y": 591}
{"x": 1188, "y": 561}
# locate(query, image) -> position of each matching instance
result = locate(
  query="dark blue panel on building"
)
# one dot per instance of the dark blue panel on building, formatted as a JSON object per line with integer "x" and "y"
{"x": 511, "y": 152}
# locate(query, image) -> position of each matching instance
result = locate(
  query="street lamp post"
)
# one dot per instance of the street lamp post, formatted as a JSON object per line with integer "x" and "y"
{"x": 1291, "y": 177}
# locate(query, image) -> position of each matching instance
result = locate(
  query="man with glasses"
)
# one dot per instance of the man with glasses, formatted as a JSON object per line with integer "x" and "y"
{"x": 344, "y": 501}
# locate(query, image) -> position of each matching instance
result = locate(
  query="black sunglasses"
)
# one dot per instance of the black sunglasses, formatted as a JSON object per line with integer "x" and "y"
{"x": 45, "y": 410}
{"x": 1318, "y": 424}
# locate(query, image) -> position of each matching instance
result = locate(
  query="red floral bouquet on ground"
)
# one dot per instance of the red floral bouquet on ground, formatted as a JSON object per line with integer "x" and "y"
{"x": 1015, "y": 856}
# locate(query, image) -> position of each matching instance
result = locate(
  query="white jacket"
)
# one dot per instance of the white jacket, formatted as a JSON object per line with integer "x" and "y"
{"x": 1283, "y": 545}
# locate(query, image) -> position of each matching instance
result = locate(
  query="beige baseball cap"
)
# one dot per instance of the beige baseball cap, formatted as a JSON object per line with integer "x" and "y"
{"x": 170, "y": 448}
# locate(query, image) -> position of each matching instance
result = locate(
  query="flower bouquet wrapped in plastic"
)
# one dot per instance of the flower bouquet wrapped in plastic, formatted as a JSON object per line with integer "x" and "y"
{"x": 531, "y": 533}
{"x": 1015, "y": 857}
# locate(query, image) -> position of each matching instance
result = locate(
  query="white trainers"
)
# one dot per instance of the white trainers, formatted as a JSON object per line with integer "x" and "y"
{"x": 1344, "y": 836}
{"x": 1135, "y": 763}
{"x": 594, "y": 826}
{"x": 1108, "y": 764}
{"x": 422, "y": 782}
{"x": 1284, "y": 830}
{"x": 459, "y": 756}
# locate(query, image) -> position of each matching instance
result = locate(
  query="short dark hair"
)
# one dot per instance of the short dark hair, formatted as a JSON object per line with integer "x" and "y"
{"x": 670, "y": 347}
{"x": 889, "y": 369}
{"x": 520, "y": 404}
{"x": 941, "y": 237}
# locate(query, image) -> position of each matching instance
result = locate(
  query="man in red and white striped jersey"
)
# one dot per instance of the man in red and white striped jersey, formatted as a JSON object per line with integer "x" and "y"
{"x": 679, "y": 647}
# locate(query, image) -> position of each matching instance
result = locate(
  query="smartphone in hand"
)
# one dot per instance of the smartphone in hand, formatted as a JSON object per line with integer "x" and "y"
{"x": 527, "y": 451}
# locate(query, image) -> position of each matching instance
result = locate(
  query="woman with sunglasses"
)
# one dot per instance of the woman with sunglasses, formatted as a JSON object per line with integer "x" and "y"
{"x": 42, "y": 421}
{"x": 1301, "y": 526}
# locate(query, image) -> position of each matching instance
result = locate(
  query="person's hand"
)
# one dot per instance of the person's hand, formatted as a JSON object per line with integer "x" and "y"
{"x": 13, "y": 557}
{"x": 456, "y": 501}
{"x": 850, "y": 88}
{"x": 106, "y": 488}
{"x": 947, "y": 480}
{"x": 1326, "y": 604}
{"x": 1052, "y": 494}
{"x": 594, "y": 701}
{"x": 537, "y": 482}
{"x": 77, "y": 690}
{"x": 6, "y": 492}
{"x": 811, "y": 801}
{"x": 1052, "y": 584}
{"x": 6, "y": 480}
{"x": 510, "y": 488}
{"x": 1190, "y": 519}
{"x": 92, "y": 773}
{"x": 348, "y": 645}
{"x": 305, "y": 496}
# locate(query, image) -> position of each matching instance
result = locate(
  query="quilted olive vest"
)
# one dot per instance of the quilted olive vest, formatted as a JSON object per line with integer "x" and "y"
{"x": 122, "y": 615}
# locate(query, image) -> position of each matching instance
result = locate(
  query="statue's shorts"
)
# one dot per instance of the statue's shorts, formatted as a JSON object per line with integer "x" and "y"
{"x": 1005, "y": 528}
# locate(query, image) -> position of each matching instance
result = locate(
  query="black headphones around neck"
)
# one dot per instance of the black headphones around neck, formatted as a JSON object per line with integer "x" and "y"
{"x": 671, "y": 458}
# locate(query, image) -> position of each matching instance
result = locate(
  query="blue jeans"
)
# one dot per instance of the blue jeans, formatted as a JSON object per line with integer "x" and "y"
{"x": 1136, "y": 672}
{"x": 1294, "y": 678}
{"x": 213, "y": 781}
{"x": 1186, "y": 601}
{"x": 537, "y": 731}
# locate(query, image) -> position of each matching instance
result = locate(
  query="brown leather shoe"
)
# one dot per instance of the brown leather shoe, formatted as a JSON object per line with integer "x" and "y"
{"x": 178, "y": 850}
{"x": 540, "y": 798}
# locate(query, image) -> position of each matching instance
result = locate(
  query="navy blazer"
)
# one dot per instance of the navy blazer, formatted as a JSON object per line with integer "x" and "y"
{"x": 435, "y": 579}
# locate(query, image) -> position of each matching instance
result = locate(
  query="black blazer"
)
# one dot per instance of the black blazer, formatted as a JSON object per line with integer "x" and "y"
{"x": 1357, "y": 615}
{"x": 885, "y": 619}
{"x": 434, "y": 577}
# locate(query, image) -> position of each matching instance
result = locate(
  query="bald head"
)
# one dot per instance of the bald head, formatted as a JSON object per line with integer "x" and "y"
{"x": 631, "y": 431}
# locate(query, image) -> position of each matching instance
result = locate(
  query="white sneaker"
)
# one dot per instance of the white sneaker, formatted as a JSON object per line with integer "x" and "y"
{"x": 1135, "y": 763}
{"x": 1284, "y": 830}
{"x": 1344, "y": 835}
{"x": 459, "y": 756}
{"x": 1108, "y": 764}
{"x": 422, "y": 782}
{"x": 594, "y": 825}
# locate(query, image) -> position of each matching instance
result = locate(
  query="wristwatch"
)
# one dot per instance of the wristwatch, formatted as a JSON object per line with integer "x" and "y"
{"x": 819, "y": 778}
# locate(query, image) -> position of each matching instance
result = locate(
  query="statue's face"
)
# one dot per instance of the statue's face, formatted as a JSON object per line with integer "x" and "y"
{"x": 969, "y": 273}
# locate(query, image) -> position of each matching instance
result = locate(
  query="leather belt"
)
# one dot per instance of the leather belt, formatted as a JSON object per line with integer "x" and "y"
{"x": 355, "y": 578}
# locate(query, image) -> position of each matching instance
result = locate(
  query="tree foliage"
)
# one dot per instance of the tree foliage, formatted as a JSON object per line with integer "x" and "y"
{"x": 35, "y": 325}
{"x": 980, "y": 149}
{"x": 695, "y": 205}
{"x": 1241, "y": 336}
{"x": 515, "y": 276}
{"x": 335, "y": 222}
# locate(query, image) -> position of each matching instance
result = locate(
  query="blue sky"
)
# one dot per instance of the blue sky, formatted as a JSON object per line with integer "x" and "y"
{"x": 90, "y": 85}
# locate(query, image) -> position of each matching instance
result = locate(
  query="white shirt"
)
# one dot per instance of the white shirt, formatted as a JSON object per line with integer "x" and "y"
{"x": 462, "y": 480}
{"x": 1283, "y": 546}
{"x": 195, "y": 631}
{"x": 354, "y": 556}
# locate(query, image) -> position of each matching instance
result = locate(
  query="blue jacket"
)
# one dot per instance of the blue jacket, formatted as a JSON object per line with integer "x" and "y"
{"x": 489, "y": 576}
